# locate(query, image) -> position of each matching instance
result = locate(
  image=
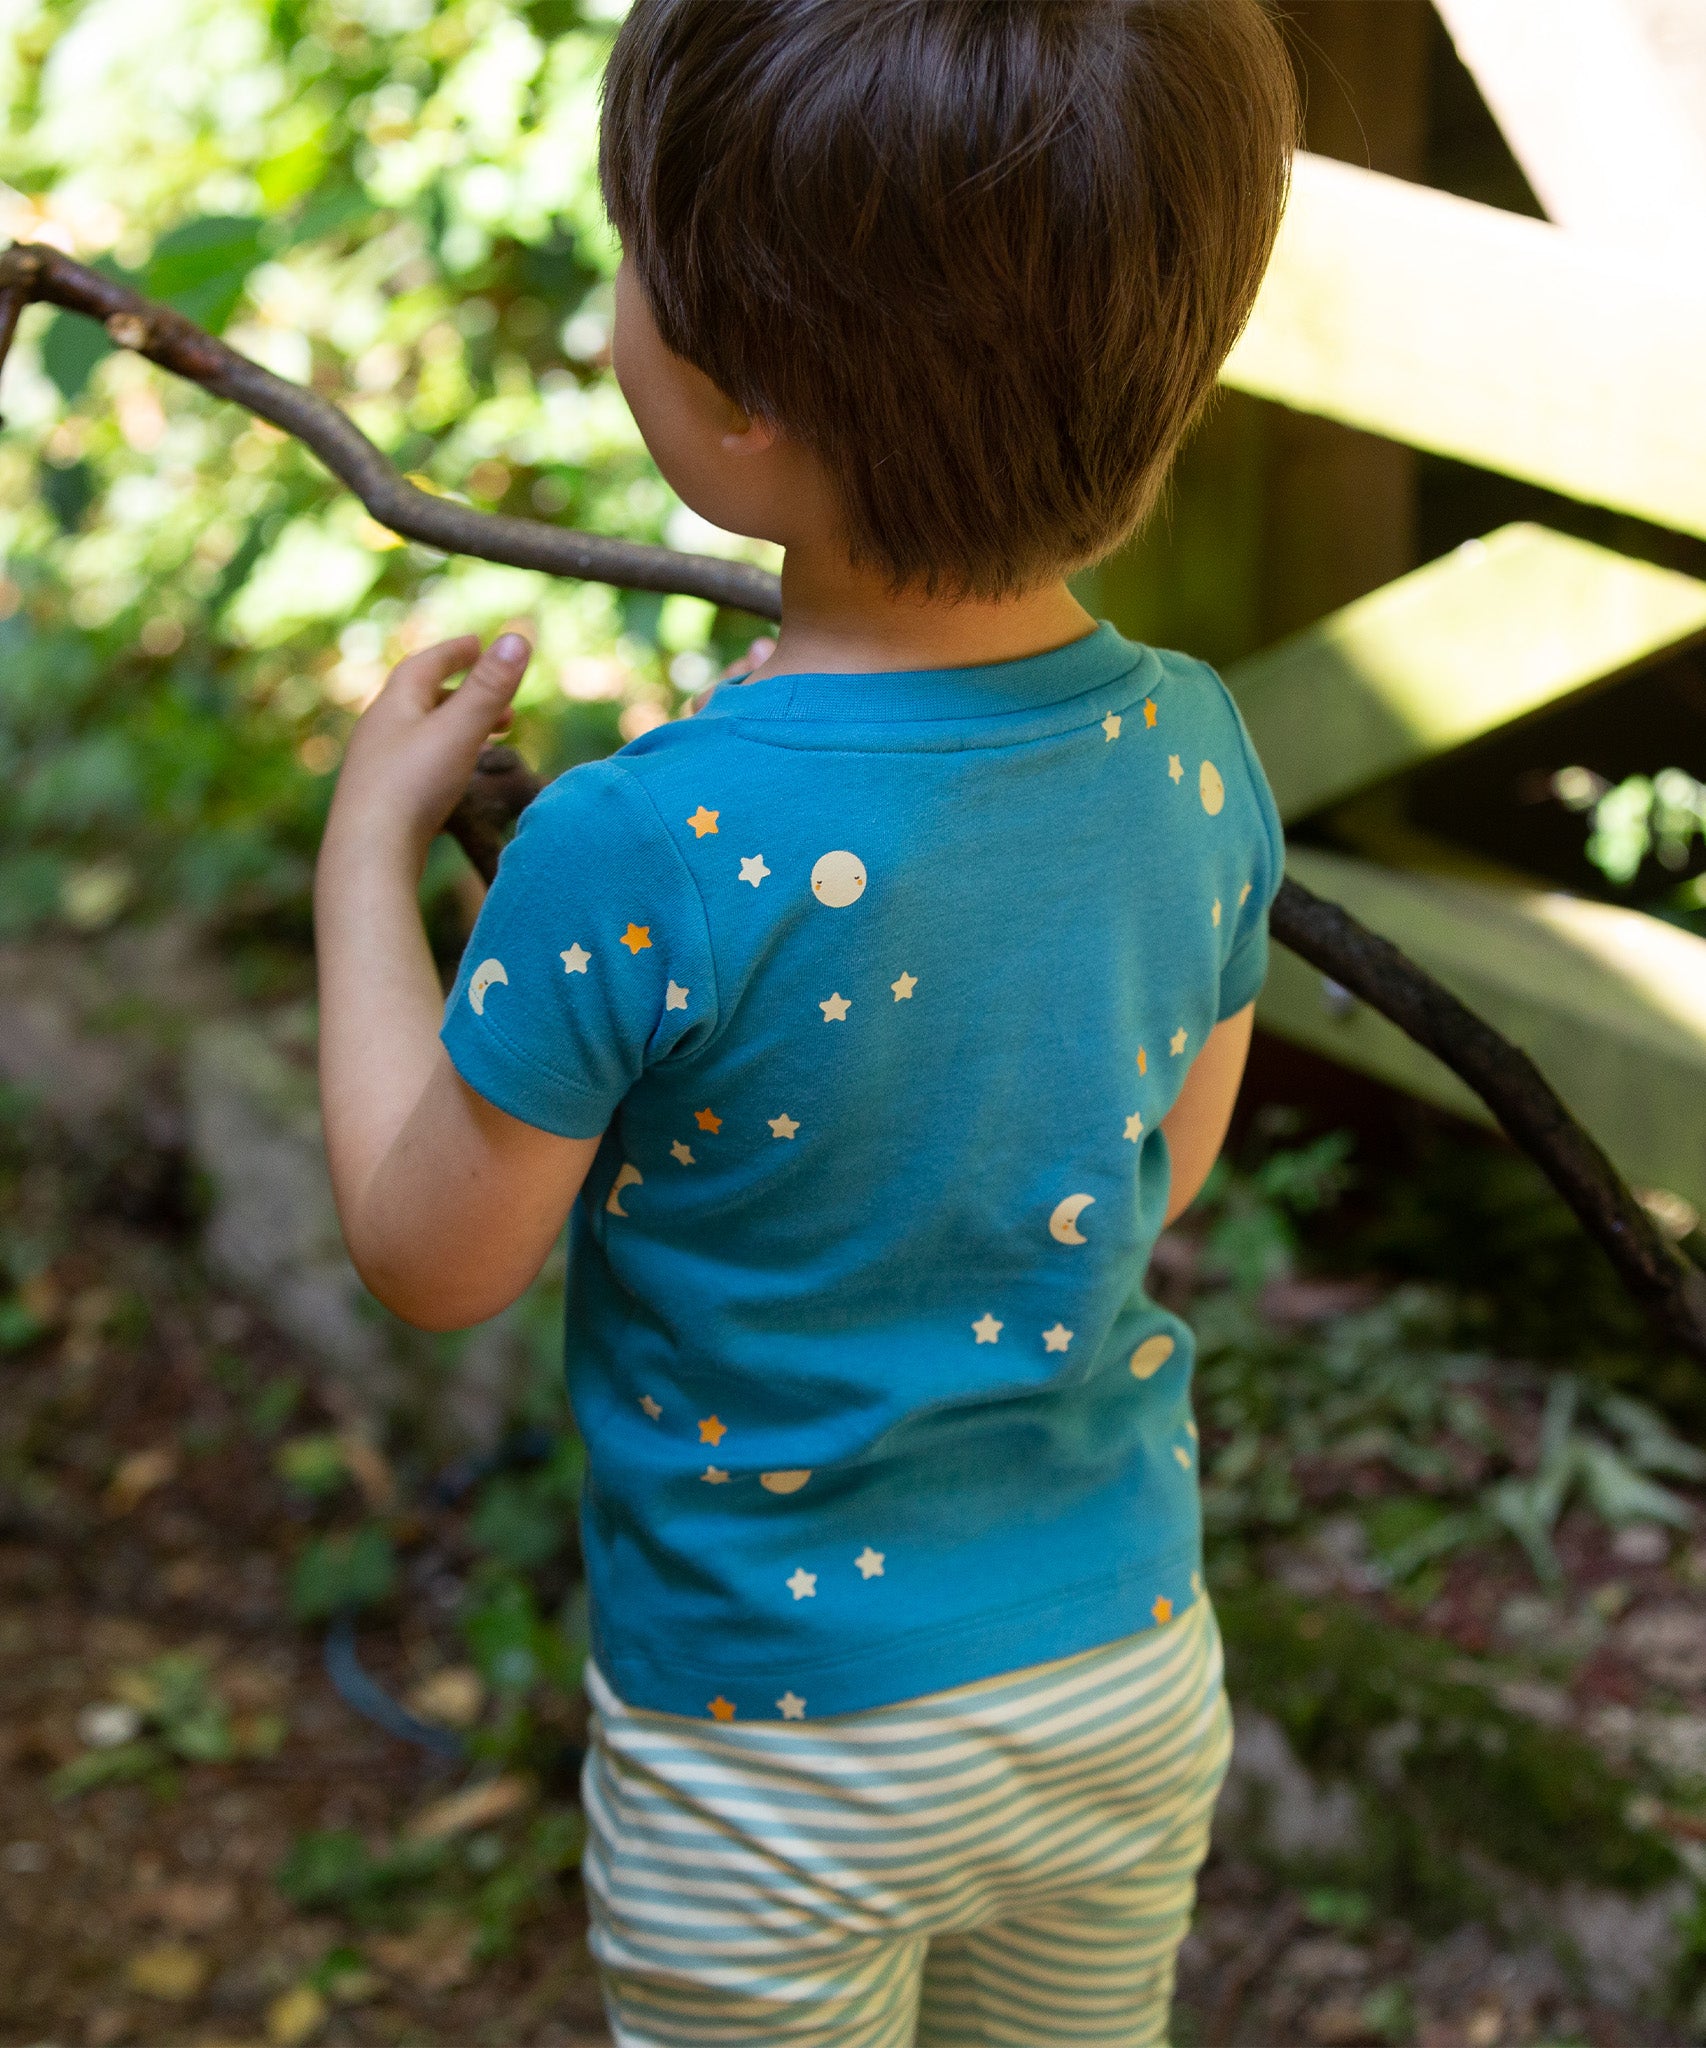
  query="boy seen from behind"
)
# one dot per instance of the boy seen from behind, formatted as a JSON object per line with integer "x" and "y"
{"x": 868, "y": 1027}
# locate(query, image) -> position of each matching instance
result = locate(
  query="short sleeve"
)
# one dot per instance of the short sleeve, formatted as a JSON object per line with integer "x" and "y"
{"x": 590, "y": 960}
{"x": 1245, "y": 967}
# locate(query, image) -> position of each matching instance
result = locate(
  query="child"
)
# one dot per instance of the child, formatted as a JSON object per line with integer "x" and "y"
{"x": 871, "y": 1024}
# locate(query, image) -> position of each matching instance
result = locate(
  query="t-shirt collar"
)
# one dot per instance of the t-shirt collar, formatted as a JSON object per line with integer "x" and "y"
{"x": 894, "y": 695}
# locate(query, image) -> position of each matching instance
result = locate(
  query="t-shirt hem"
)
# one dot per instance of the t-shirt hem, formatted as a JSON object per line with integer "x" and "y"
{"x": 519, "y": 1089}
{"x": 908, "y": 1665}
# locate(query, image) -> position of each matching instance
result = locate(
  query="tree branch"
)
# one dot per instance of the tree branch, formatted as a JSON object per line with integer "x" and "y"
{"x": 1668, "y": 1287}
{"x": 33, "y": 270}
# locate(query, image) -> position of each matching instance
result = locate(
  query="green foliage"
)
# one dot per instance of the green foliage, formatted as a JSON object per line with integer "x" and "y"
{"x": 399, "y": 205}
{"x": 343, "y": 1574}
{"x": 179, "y": 1718}
{"x": 335, "y": 1871}
{"x": 526, "y": 1519}
{"x": 1449, "y": 1767}
{"x": 1662, "y": 817}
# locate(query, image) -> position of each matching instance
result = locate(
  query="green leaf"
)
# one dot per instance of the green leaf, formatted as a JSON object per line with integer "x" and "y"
{"x": 70, "y": 349}
{"x": 343, "y": 1574}
{"x": 1621, "y": 1494}
{"x": 124, "y": 1765}
{"x": 202, "y": 266}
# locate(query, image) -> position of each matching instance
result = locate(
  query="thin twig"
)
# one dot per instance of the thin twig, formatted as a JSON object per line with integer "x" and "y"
{"x": 33, "y": 270}
{"x": 1672, "y": 1291}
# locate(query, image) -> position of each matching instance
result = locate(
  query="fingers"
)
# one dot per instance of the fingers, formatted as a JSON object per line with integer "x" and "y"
{"x": 419, "y": 677}
{"x": 482, "y": 703}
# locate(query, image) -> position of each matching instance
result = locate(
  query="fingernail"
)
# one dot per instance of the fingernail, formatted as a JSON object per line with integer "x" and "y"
{"x": 509, "y": 647}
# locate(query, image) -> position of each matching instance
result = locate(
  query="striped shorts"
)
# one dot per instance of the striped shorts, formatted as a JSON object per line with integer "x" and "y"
{"x": 1012, "y": 1862}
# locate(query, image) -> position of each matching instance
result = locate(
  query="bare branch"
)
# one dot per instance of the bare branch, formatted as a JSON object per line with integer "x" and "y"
{"x": 35, "y": 271}
{"x": 1668, "y": 1286}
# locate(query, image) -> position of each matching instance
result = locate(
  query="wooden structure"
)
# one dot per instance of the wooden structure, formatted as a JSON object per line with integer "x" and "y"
{"x": 1569, "y": 353}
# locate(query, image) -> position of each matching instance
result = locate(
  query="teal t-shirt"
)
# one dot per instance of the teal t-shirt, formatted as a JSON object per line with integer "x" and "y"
{"x": 878, "y": 987}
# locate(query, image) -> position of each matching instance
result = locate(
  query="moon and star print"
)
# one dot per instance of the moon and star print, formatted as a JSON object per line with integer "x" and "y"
{"x": 738, "y": 876}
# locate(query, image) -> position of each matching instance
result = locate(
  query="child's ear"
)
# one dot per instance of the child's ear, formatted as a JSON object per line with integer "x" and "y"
{"x": 746, "y": 434}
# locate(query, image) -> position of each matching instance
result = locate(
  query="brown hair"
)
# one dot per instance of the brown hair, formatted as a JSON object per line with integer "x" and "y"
{"x": 983, "y": 257}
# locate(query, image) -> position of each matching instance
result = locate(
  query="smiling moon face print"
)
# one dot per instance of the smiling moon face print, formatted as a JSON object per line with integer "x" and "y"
{"x": 1063, "y": 1224}
{"x": 838, "y": 879}
{"x": 481, "y": 979}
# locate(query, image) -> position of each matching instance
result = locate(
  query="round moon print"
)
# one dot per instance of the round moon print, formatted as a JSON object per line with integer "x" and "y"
{"x": 1211, "y": 789}
{"x": 838, "y": 879}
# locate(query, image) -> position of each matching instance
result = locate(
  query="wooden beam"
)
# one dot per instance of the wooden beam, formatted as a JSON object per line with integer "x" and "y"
{"x": 1581, "y": 98}
{"x": 1489, "y": 634}
{"x": 1496, "y": 340}
{"x": 1610, "y": 1003}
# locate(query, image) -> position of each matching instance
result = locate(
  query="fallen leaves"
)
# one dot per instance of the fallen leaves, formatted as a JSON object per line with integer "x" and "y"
{"x": 475, "y": 1806}
{"x": 170, "y": 1971}
{"x": 453, "y": 1696}
{"x": 296, "y": 2016}
{"x": 138, "y": 1475}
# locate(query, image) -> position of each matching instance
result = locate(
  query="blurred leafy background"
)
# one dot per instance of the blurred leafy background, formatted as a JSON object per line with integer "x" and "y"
{"x": 394, "y": 201}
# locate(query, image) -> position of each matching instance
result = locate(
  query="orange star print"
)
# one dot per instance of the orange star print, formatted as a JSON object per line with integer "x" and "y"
{"x": 1162, "y": 1610}
{"x": 722, "y": 1709}
{"x": 1149, "y": 711}
{"x": 708, "y": 1120}
{"x": 711, "y": 1431}
{"x": 636, "y": 938}
{"x": 704, "y": 821}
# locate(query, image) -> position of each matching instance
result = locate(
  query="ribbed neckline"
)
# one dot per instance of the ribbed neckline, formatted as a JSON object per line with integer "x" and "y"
{"x": 898, "y": 695}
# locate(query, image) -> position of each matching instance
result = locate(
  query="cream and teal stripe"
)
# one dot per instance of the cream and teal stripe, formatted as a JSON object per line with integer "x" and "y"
{"x": 1008, "y": 1865}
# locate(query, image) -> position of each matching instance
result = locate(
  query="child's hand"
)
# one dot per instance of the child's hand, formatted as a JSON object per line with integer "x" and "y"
{"x": 414, "y": 747}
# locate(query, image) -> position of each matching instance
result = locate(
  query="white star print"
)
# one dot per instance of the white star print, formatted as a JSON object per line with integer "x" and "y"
{"x": 869, "y": 1563}
{"x": 1179, "y": 1040}
{"x": 1175, "y": 768}
{"x": 803, "y": 1585}
{"x": 1214, "y": 915}
{"x": 1183, "y": 1456}
{"x": 1111, "y": 725}
{"x": 576, "y": 960}
{"x": 1190, "y": 1429}
{"x": 679, "y": 1151}
{"x": 782, "y": 1126}
{"x": 791, "y": 1707}
{"x": 835, "y": 1010}
{"x": 714, "y": 1475}
{"x": 675, "y": 997}
{"x": 903, "y": 987}
{"x": 753, "y": 870}
{"x": 650, "y": 1406}
{"x": 1134, "y": 1128}
{"x": 1057, "y": 1339}
{"x": 987, "y": 1328}
{"x": 1243, "y": 895}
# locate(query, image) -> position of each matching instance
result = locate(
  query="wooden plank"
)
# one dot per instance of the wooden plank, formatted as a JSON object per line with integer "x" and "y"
{"x": 1579, "y": 93}
{"x": 1611, "y": 1004}
{"x": 1496, "y": 340}
{"x": 1490, "y": 633}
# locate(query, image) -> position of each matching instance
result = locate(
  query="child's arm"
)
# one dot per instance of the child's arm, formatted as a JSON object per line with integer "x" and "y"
{"x": 1196, "y": 1125}
{"x": 448, "y": 1205}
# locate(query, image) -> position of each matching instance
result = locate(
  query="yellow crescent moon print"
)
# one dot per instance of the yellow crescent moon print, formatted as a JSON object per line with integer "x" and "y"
{"x": 1150, "y": 1356}
{"x": 480, "y": 980}
{"x": 1211, "y": 789}
{"x": 1063, "y": 1224}
{"x": 626, "y": 1177}
{"x": 783, "y": 1482}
